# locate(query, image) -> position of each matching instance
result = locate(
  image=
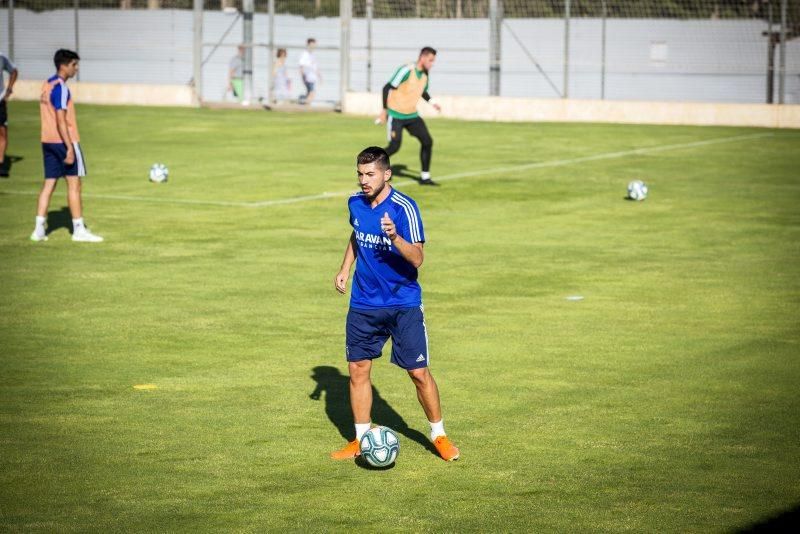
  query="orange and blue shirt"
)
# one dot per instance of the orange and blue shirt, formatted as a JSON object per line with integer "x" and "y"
{"x": 56, "y": 96}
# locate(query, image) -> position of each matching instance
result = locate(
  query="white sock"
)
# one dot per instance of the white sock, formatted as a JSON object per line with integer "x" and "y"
{"x": 437, "y": 429}
{"x": 40, "y": 224}
{"x": 361, "y": 429}
{"x": 425, "y": 175}
{"x": 77, "y": 224}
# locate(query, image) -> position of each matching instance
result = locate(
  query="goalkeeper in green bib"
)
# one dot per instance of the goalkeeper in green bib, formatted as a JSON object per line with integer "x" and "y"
{"x": 400, "y": 97}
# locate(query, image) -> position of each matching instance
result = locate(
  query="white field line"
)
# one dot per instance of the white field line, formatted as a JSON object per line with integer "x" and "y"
{"x": 527, "y": 166}
{"x": 447, "y": 177}
{"x": 607, "y": 155}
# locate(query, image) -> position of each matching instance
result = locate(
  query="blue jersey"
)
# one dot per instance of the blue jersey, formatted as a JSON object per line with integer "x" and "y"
{"x": 383, "y": 278}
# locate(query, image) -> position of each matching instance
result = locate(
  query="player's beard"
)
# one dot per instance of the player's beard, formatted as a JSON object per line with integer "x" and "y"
{"x": 375, "y": 192}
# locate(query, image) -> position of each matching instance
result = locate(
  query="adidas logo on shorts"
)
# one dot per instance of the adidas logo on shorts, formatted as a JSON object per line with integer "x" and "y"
{"x": 421, "y": 358}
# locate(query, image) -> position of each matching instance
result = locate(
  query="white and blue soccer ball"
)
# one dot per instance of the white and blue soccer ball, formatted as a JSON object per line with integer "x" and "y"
{"x": 637, "y": 190}
{"x": 380, "y": 446}
{"x": 159, "y": 173}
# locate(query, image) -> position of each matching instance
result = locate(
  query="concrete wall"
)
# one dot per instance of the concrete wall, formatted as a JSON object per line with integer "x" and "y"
{"x": 548, "y": 110}
{"x": 115, "y": 93}
{"x": 473, "y": 107}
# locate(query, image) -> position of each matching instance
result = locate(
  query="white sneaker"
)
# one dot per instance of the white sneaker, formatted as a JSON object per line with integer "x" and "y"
{"x": 38, "y": 237}
{"x": 86, "y": 236}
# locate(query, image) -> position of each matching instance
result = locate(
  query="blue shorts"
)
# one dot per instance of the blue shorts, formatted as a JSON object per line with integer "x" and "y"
{"x": 54, "y": 166}
{"x": 368, "y": 331}
{"x": 309, "y": 86}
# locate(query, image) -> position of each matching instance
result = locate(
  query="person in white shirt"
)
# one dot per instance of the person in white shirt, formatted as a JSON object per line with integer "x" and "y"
{"x": 309, "y": 71}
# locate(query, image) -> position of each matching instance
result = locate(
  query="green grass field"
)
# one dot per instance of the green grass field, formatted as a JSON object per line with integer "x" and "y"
{"x": 665, "y": 401}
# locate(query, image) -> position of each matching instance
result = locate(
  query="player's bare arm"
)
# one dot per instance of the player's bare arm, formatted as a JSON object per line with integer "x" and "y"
{"x": 63, "y": 131}
{"x": 385, "y": 98}
{"x": 340, "y": 282}
{"x": 411, "y": 252}
{"x": 11, "y": 81}
{"x": 429, "y": 99}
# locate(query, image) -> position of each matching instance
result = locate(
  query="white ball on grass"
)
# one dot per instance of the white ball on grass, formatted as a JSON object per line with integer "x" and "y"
{"x": 159, "y": 173}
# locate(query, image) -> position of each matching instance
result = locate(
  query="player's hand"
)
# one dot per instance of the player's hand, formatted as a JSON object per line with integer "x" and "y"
{"x": 388, "y": 227}
{"x": 8, "y": 93}
{"x": 340, "y": 282}
{"x": 381, "y": 118}
{"x": 70, "y": 159}
{"x": 437, "y": 107}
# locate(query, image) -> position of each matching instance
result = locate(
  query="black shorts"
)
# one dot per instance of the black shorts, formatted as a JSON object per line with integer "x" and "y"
{"x": 3, "y": 113}
{"x": 415, "y": 126}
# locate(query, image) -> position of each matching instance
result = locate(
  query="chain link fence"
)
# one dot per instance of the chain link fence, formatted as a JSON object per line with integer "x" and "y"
{"x": 663, "y": 50}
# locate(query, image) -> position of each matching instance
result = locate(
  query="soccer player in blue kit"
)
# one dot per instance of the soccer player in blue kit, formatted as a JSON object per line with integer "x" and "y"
{"x": 386, "y": 300}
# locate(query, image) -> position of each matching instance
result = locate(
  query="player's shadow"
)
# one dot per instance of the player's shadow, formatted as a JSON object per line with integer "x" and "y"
{"x": 8, "y": 162}
{"x": 780, "y": 522}
{"x": 59, "y": 219}
{"x": 336, "y": 387}
{"x": 401, "y": 171}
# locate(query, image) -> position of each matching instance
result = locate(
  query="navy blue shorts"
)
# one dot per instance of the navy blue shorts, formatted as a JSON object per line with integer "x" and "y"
{"x": 368, "y": 331}
{"x": 54, "y": 166}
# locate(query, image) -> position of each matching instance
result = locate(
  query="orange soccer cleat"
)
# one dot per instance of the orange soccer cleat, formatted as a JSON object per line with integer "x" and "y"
{"x": 351, "y": 450}
{"x": 446, "y": 449}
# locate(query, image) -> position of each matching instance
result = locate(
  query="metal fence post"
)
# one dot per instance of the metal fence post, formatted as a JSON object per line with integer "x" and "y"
{"x": 770, "y": 55}
{"x": 270, "y": 64}
{"x": 247, "y": 42}
{"x": 76, "y": 8}
{"x": 782, "y": 55}
{"x": 197, "y": 50}
{"x": 603, "y": 55}
{"x": 369, "y": 45}
{"x": 566, "y": 49}
{"x": 11, "y": 30}
{"x": 345, "y": 16}
{"x": 495, "y": 41}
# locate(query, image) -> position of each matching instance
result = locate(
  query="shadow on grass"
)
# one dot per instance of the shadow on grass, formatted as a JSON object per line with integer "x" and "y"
{"x": 336, "y": 387}
{"x": 8, "y": 162}
{"x": 402, "y": 171}
{"x": 781, "y": 522}
{"x": 59, "y": 219}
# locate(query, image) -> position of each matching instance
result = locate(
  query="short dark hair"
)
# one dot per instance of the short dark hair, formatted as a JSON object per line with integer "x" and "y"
{"x": 64, "y": 57}
{"x": 374, "y": 154}
{"x": 310, "y": 40}
{"x": 427, "y": 50}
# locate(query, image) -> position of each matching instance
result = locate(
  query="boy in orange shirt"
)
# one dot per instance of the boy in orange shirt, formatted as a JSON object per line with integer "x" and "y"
{"x": 61, "y": 149}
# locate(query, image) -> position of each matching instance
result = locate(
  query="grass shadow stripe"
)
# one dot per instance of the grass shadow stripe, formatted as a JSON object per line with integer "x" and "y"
{"x": 144, "y": 199}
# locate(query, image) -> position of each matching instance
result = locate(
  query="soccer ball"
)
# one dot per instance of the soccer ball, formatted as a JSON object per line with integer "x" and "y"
{"x": 380, "y": 446}
{"x": 159, "y": 173}
{"x": 637, "y": 190}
